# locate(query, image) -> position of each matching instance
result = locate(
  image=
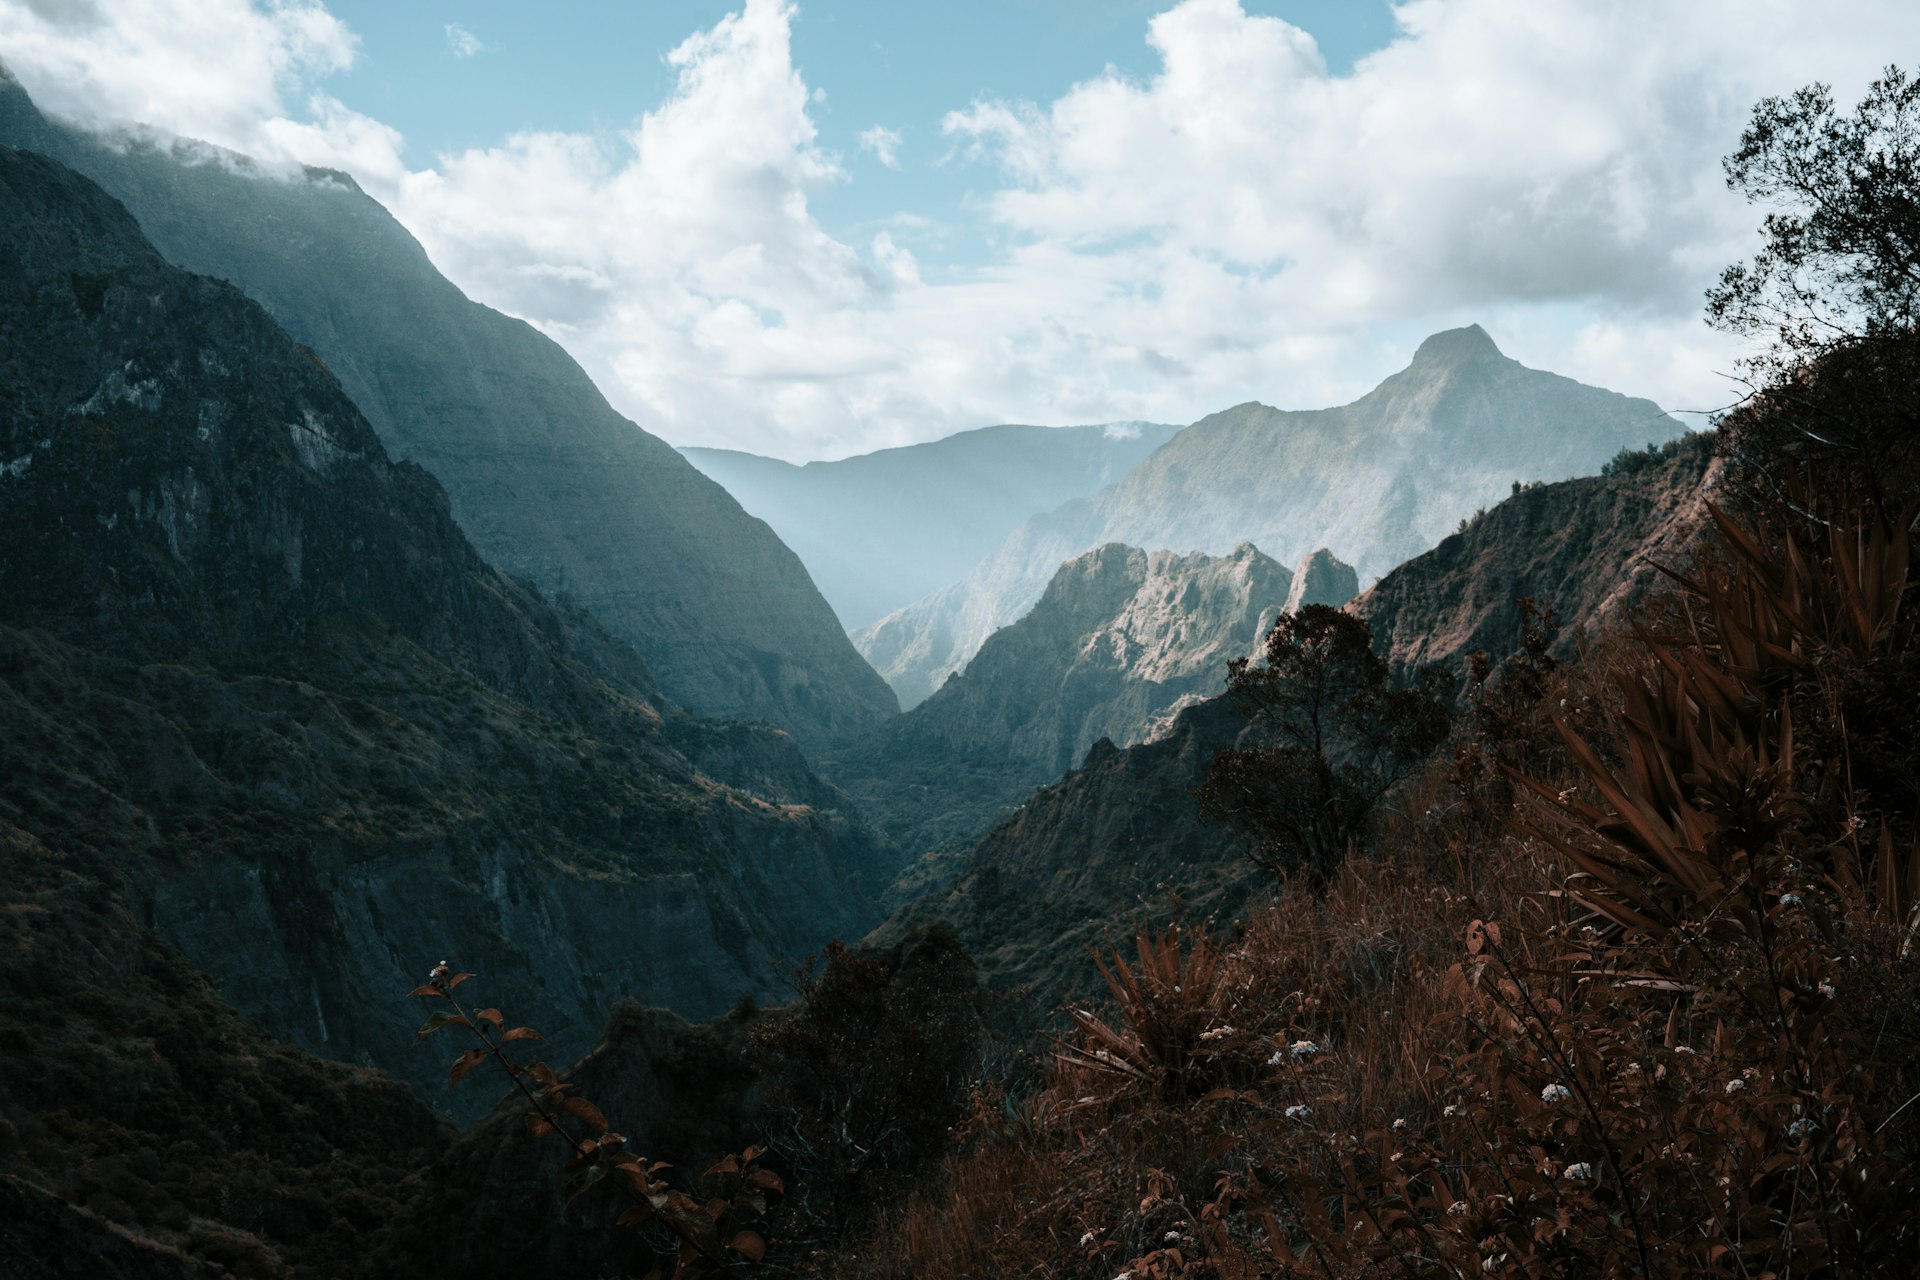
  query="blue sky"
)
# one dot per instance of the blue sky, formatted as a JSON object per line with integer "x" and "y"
{"x": 899, "y": 66}
{"x": 817, "y": 228}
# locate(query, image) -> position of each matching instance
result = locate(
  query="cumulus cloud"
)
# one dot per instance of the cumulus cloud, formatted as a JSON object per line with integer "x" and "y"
{"x": 1239, "y": 223}
{"x": 462, "y": 42}
{"x": 884, "y": 143}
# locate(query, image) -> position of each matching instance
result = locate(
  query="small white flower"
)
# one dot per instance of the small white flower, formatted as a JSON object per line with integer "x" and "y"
{"x": 1801, "y": 1128}
{"x": 1681, "y": 1048}
{"x": 1581, "y": 1172}
{"x": 1279, "y": 1057}
{"x": 1825, "y": 988}
{"x": 1303, "y": 1048}
{"x": 1088, "y": 1238}
{"x": 1172, "y": 1237}
{"x": 1299, "y": 1111}
{"x": 1735, "y": 1086}
{"x": 1399, "y": 1126}
{"x": 1555, "y": 1093}
{"x": 1216, "y": 1033}
{"x": 1458, "y": 1209}
{"x": 1790, "y": 899}
{"x": 1453, "y": 1109}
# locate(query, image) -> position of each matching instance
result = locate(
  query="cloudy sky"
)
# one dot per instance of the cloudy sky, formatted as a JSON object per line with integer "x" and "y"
{"x": 812, "y": 229}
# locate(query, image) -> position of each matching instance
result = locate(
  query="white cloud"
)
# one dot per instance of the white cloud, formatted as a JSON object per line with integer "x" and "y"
{"x": 1238, "y": 224}
{"x": 884, "y": 143}
{"x": 462, "y": 42}
{"x": 219, "y": 71}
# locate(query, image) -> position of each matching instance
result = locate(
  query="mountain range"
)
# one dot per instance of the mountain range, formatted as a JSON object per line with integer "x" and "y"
{"x": 546, "y": 478}
{"x": 880, "y": 530}
{"x": 1376, "y": 482}
{"x": 1120, "y": 834}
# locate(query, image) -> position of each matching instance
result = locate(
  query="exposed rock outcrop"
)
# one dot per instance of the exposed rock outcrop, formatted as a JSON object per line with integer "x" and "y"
{"x": 1321, "y": 578}
{"x": 547, "y": 480}
{"x": 1378, "y": 481}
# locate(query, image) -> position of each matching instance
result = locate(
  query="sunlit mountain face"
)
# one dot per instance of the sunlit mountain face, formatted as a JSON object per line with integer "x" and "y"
{"x": 1183, "y": 639}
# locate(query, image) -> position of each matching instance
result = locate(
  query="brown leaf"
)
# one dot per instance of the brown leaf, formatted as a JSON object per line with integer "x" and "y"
{"x": 492, "y": 1015}
{"x": 457, "y": 979}
{"x": 748, "y": 1245}
{"x": 765, "y": 1180}
{"x": 428, "y": 991}
{"x": 463, "y": 1064}
{"x": 521, "y": 1033}
{"x": 438, "y": 1021}
{"x": 587, "y": 1112}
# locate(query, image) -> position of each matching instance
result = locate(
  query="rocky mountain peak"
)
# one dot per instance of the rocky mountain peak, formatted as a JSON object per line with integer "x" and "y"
{"x": 1322, "y": 578}
{"x": 1452, "y": 348}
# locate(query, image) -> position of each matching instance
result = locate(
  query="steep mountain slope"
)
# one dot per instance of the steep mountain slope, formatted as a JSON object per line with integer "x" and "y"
{"x": 1119, "y": 642}
{"x": 258, "y": 690}
{"x": 1122, "y": 831}
{"x": 549, "y": 482}
{"x": 1376, "y": 481}
{"x": 1586, "y": 546}
{"x": 880, "y": 530}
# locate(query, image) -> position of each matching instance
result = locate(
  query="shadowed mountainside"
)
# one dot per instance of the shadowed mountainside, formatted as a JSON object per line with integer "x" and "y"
{"x": 1376, "y": 481}
{"x": 547, "y": 480}
{"x": 882, "y": 529}
{"x": 258, "y": 693}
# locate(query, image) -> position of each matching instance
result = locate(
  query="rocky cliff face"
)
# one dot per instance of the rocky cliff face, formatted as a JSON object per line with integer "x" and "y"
{"x": 883, "y": 529}
{"x": 1322, "y": 578}
{"x": 252, "y": 665}
{"x": 1121, "y": 640}
{"x": 1377, "y": 481}
{"x": 1588, "y": 547}
{"x": 546, "y": 479}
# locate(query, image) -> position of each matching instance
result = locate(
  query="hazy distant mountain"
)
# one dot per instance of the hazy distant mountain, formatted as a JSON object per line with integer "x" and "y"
{"x": 883, "y": 529}
{"x": 1067, "y": 869}
{"x": 549, "y": 482}
{"x": 1119, "y": 642}
{"x": 262, "y": 702}
{"x": 1376, "y": 481}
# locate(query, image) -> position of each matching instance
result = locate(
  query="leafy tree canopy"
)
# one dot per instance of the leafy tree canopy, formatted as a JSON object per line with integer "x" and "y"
{"x": 1841, "y": 256}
